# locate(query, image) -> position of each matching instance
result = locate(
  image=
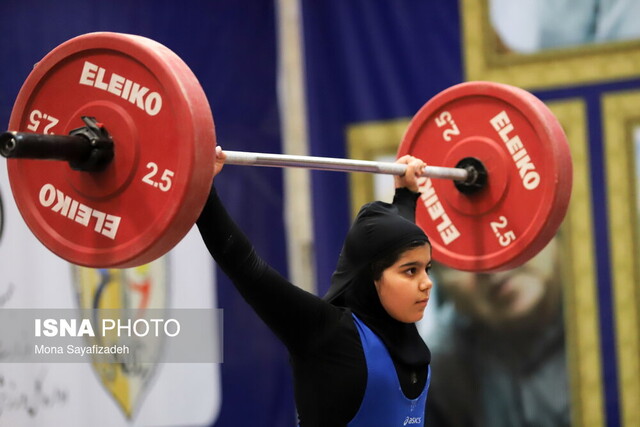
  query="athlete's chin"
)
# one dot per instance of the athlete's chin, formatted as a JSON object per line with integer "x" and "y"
{"x": 419, "y": 307}
{"x": 413, "y": 317}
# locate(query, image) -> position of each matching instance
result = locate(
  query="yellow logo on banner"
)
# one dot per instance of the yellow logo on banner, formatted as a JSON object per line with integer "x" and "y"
{"x": 137, "y": 289}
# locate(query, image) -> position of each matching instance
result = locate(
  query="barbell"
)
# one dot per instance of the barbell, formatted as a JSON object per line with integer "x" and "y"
{"x": 134, "y": 137}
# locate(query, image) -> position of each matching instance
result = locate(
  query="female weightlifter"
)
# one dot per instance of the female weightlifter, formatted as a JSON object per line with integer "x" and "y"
{"x": 356, "y": 354}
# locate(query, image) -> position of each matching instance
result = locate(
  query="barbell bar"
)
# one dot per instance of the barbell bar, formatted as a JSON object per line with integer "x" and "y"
{"x": 339, "y": 165}
{"x": 145, "y": 171}
{"x": 77, "y": 150}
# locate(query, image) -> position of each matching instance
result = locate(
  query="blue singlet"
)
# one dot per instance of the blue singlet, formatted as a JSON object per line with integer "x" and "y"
{"x": 384, "y": 404}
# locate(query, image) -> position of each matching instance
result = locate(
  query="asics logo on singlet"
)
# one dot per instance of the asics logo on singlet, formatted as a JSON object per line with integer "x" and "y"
{"x": 412, "y": 420}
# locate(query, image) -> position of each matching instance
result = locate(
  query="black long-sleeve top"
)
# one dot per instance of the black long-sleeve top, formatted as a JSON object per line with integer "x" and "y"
{"x": 329, "y": 367}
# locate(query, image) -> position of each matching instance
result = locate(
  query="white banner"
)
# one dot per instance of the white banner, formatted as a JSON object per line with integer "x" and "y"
{"x": 82, "y": 394}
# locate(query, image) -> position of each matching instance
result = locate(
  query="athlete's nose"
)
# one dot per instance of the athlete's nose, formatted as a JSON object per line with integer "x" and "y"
{"x": 425, "y": 282}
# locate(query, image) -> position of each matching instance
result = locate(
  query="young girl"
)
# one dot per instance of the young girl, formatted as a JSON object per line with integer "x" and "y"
{"x": 356, "y": 354}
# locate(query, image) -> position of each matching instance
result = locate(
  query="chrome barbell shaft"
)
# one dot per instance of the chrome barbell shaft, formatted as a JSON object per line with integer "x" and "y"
{"x": 340, "y": 165}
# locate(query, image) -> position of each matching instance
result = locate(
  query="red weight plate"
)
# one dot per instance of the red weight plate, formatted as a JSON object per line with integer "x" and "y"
{"x": 529, "y": 169}
{"x": 150, "y": 195}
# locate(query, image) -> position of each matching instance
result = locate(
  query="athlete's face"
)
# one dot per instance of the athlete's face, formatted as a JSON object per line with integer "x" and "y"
{"x": 404, "y": 287}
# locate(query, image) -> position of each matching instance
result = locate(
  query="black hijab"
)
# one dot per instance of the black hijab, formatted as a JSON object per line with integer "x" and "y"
{"x": 378, "y": 231}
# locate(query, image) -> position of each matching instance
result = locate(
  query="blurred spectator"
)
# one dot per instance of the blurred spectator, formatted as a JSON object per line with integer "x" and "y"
{"x": 498, "y": 353}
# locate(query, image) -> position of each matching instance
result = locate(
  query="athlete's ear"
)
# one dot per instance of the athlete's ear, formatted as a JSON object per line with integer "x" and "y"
{"x": 376, "y": 283}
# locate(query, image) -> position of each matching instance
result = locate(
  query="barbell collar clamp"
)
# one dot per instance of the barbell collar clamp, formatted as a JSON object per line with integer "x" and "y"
{"x": 477, "y": 179}
{"x": 88, "y": 148}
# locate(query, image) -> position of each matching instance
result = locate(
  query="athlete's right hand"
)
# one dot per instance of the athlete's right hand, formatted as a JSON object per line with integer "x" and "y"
{"x": 219, "y": 162}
